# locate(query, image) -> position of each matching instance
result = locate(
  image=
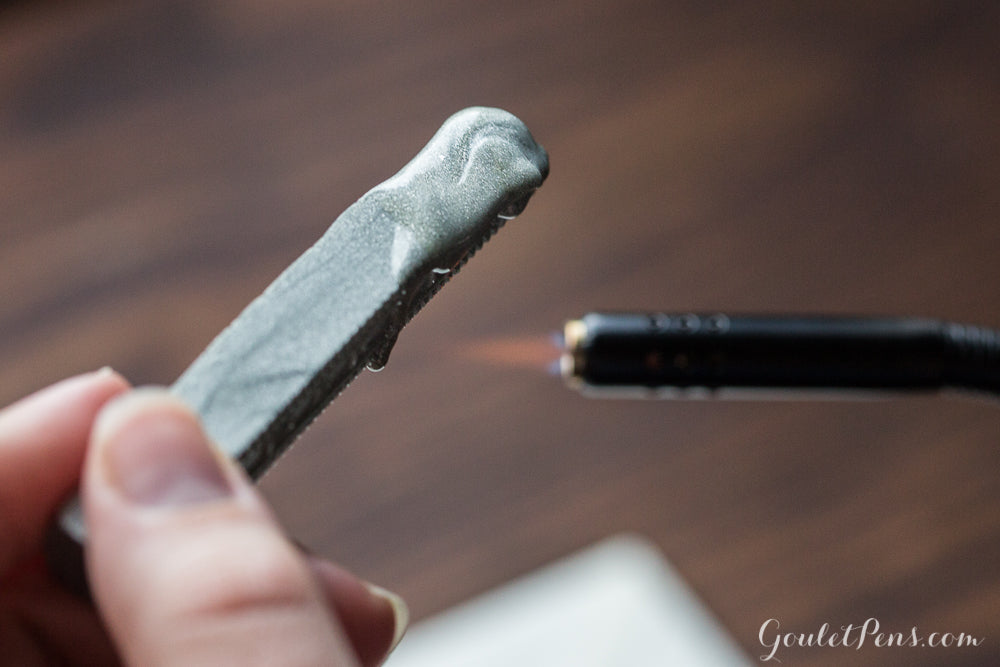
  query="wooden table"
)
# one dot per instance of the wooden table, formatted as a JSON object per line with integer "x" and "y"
{"x": 161, "y": 162}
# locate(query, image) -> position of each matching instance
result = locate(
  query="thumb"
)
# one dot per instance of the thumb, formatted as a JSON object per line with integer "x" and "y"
{"x": 186, "y": 562}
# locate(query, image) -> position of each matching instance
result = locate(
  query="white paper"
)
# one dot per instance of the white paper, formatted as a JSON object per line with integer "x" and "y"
{"x": 616, "y": 604}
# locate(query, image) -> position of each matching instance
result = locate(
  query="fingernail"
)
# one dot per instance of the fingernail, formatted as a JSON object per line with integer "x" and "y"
{"x": 400, "y": 612}
{"x": 155, "y": 452}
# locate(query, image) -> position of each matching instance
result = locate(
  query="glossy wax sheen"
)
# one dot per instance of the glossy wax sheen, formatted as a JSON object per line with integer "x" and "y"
{"x": 339, "y": 307}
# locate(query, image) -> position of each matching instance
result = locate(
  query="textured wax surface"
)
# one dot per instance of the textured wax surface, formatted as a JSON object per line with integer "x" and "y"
{"x": 340, "y": 306}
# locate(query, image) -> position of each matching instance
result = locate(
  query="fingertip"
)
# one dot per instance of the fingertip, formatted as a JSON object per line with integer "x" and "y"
{"x": 374, "y": 619}
{"x": 150, "y": 448}
{"x": 400, "y": 612}
{"x": 43, "y": 438}
{"x": 85, "y": 393}
{"x": 107, "y": 377}
{"x": 185, "y": 559}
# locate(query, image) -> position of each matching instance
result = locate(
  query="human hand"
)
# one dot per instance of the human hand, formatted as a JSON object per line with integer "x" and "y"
{"x": 186, "y": 562}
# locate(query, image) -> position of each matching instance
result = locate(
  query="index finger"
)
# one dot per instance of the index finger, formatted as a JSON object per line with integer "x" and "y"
{"x": 43, "y": 438}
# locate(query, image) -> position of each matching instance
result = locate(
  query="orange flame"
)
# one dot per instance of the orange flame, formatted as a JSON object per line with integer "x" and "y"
{"x": 534, "y": 352}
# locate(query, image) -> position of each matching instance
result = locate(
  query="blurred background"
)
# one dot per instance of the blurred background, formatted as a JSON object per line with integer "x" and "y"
{"x": 161, "y": 162}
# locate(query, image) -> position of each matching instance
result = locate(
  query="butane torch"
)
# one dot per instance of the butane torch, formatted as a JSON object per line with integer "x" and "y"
{"x": 688, "y": 354}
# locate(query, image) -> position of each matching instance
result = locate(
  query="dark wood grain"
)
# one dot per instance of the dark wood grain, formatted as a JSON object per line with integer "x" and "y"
{"x": 161, "y": 162}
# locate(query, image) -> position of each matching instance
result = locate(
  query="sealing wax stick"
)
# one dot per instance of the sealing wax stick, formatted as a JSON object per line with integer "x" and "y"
{"x": 340, "y": 306}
